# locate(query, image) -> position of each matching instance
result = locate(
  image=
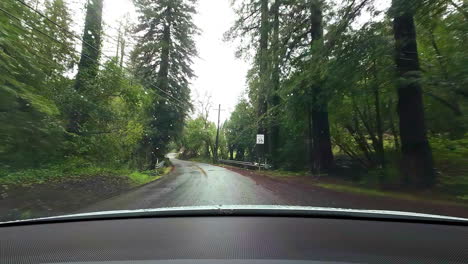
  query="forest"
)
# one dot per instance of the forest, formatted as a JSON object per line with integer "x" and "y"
{"x": 67, "y": 107}
{"x": 353, "y": 89}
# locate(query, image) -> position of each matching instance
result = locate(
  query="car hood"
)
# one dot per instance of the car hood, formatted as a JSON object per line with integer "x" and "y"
{"x": 249, "y": 210}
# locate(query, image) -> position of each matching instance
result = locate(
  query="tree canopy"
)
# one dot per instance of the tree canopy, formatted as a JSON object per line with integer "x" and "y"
{"x": 352, "y": 84}
{"x": 62, "y": 99}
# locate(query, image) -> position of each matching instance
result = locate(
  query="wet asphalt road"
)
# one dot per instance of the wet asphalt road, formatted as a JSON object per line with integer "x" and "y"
{"x": 199, "y": 184}
{"x": 193, "y": 184}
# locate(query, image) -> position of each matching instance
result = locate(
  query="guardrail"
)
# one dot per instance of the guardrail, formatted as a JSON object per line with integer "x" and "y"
{"x": 160, "y": 164}
{"x": 245, "y": 164}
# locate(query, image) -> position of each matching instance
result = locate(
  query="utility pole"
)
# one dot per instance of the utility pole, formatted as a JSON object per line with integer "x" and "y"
{"x": 217, "y": 135}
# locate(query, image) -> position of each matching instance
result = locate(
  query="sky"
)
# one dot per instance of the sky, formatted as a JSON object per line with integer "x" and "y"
{"x": 220, "y": 73}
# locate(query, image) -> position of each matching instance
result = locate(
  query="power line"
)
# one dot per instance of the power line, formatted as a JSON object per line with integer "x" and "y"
{"x": 63, "y": 44}
{"x": 65, "y": 30}
{"x": 118, "y": 30}
{"x": 40, "y": 31}
{"x": 98, "y": 50}
{"x": 57, "y": 25}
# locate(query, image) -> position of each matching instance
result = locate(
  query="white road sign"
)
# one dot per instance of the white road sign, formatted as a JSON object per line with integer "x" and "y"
{"x": 260, "y": 139}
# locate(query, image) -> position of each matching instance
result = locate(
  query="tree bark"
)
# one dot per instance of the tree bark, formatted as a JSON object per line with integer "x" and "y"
{"x": 275, "y": 84}
{"x": 417, "y": 162}
{"x": 163, "y": 84}
{"x": 322, "y": 155}
{"x": 322, "y": 151}
{"x": 264, "y": 80}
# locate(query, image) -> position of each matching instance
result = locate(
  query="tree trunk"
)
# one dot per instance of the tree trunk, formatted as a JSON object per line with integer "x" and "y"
{"x": 322, "y": 151}
{"x": 231, "y": 153}
{"x": 89, "y": 62}
{"x": 264, "y": 80}
{"x": 378, "y": 120}
{"x": 240, "y": 154}
{"x": 207, "y": 150}
{"x": 275, "y": 85}
{"x": 417, "y": 163}
{"x": 119, "y": 40}
{"x": 122, "y": 47}
{"x": 160, "y": 104}
{"x": 165, "y": 50}
{"x": 393, "y": 129}
{"x": 153, "y": 161}
{"x": 322, "y": 155}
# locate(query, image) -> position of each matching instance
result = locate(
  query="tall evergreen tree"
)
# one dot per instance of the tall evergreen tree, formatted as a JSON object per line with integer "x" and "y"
{"x": 163, "y": 59}
{"x": 322, "y": 156}
{"x": 89, "y": 62}
{"x": 417, "y": 163}
{"x": 274, "y": 98}
{"x": 262, "y": 62}
{"x": 61, "y": 52}
{"x": 253, "y": 24}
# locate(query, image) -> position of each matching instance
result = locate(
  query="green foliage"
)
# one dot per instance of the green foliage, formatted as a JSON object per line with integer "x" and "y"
{"x": 162, "y": 60}
{"x": 55, "y": 125}
{"x": 451, "y": 158}
{"x": 76, "y": 169}
{"x": 240, "y": 131}
{"x": 198, "y": 138}
{"x": 442, "y": 39}
{"x": 31, "y": 130}
{"x": 140, "y": 178}
{"x": 72, "y": 168}
{"x": 451, "y": 155}
{"x": 116, "y": 109}
{"x": 353, "y": 74}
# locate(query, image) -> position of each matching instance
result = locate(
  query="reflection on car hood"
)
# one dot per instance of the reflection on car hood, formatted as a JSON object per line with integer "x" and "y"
{"x": 248, "y": 210}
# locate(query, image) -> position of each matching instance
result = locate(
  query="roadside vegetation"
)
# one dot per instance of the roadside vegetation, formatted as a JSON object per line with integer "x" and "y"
{"x": 66, "y": 188}
{"x": 368, "y": 94}
{"x": 69, "y": 109}
{"x": 78, "y": 171}
{"x": 372, "y": 95}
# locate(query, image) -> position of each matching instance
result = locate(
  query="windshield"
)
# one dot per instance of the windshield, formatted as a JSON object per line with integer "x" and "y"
{"x": 137, "y": 104}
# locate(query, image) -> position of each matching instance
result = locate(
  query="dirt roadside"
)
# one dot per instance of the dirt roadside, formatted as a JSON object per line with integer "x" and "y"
{"x": 59, "y": 198}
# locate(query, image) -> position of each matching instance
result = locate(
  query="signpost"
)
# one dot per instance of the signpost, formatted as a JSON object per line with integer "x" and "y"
{"x": 260, "y": 139}
{"x": 260, "y": 147}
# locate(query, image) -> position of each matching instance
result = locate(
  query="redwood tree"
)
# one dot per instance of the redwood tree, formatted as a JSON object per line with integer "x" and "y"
{"x": 416, "y": 162}
{"x": 322, "y": 156}
{"x": 88, "y": 66}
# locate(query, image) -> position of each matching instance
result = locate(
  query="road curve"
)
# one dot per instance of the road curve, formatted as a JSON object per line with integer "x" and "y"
{"x": 193, "y": 184}
{"x": 199, "y": 184}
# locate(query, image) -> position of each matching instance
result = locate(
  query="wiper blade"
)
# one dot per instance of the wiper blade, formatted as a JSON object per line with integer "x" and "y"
{"x": 251, "y": 210}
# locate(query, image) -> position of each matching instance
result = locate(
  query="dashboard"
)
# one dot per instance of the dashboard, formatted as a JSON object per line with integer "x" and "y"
{"x": 233, "y": 240}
